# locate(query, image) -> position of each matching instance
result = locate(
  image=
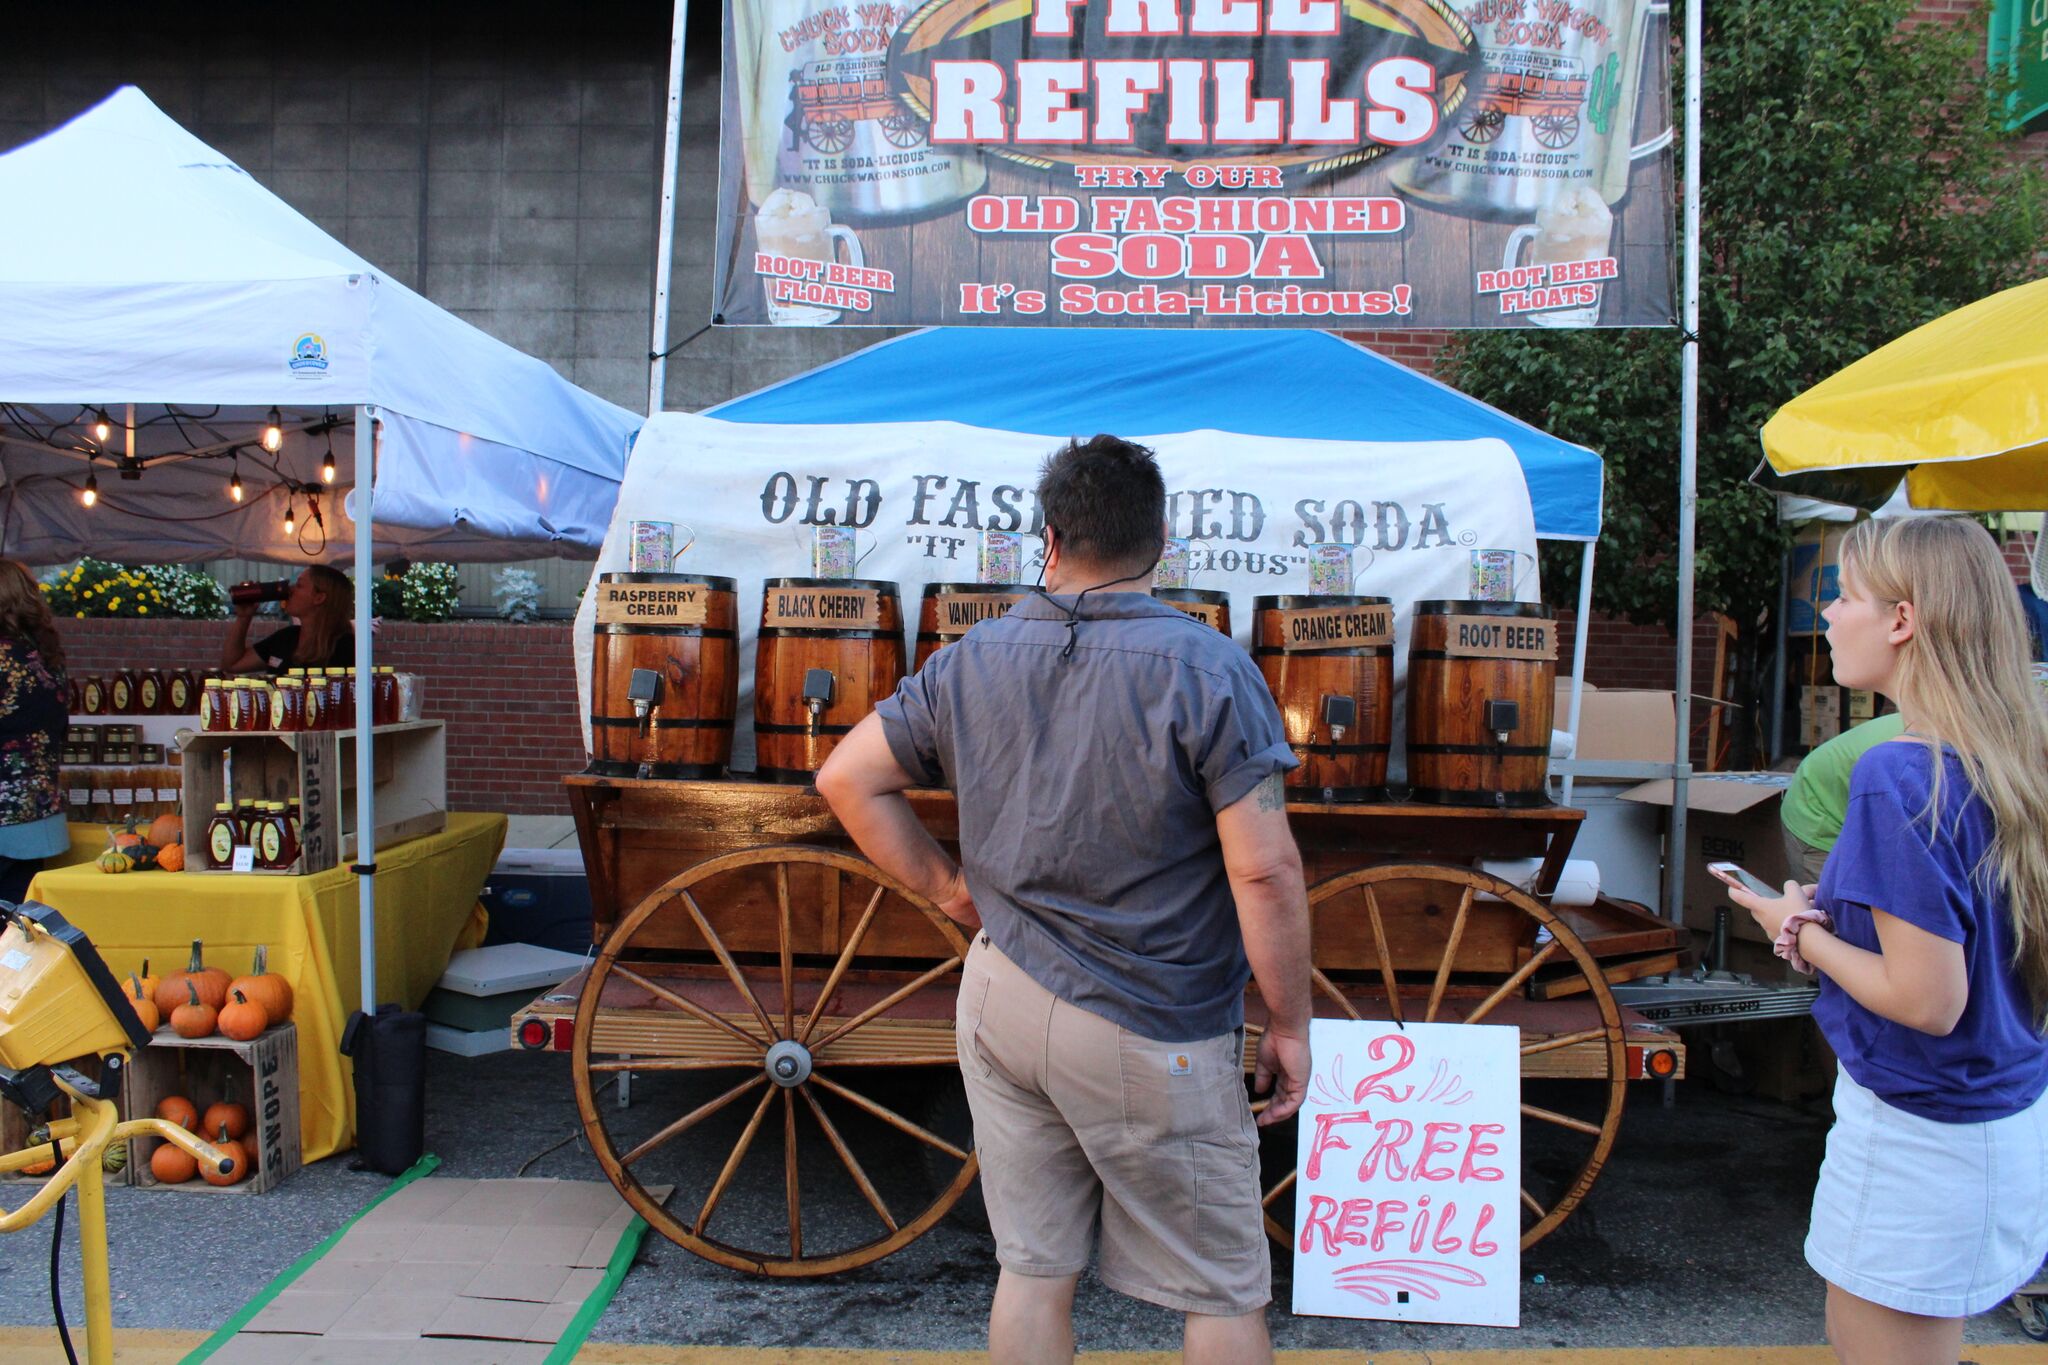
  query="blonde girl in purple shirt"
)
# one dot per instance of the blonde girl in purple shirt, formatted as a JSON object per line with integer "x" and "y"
{"x": 1930, "y": 936}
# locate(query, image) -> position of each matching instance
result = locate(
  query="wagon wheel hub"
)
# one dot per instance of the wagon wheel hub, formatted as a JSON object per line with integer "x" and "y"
{"x": 789, "y": 1063}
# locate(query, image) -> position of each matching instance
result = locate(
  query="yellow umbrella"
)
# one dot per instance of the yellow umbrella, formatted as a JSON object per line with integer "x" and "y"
{"x": 1959, "y": 407}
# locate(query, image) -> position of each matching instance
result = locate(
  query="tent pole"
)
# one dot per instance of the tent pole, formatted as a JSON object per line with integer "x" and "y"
{"x": 665, "y": 228}
{"x": 1580, "y": 628}
{"x": 365, "y": 865}
{"x": 1688, "y": 468}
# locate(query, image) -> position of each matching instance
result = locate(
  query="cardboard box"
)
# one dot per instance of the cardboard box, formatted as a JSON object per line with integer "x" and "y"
{"x": 1621, "y": 724}
{"x": 1731, "y": 817}
{"x": 262, "y": 1075}
{"x": 1813, "y": 575}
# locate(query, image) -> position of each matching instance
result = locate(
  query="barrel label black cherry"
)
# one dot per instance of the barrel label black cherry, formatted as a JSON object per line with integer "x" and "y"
{"x": 828, "y": 650}
{"x": 1480, "y": 680}
{"x": 638, "y": 604}
{"x": 1329, "y": 662}
{"x": 1336, "y": 627}
{"x": 948, "y": 611}
{"x": 822, "y": 605}
{"x": 684, "y": 630}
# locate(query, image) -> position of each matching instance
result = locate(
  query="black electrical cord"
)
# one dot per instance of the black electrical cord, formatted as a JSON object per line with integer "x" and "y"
{"x": 56, "y": 1253}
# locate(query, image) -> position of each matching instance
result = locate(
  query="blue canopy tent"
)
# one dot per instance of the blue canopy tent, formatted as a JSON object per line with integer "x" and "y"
{"x": 1310, "y": 385}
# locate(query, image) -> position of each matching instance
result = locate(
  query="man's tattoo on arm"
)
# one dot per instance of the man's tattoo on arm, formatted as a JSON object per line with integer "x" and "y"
{"x": 1272, "y": 793}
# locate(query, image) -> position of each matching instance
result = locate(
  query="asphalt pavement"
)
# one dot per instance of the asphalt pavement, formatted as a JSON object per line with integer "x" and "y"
{"x": 1691, "y": 1236}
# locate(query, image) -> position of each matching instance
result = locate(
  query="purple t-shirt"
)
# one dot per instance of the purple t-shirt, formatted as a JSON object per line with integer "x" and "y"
{"x": 1995, "y": 1063}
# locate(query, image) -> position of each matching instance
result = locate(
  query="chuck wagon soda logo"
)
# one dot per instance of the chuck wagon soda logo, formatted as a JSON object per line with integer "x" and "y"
{"x": 309, "y": 357}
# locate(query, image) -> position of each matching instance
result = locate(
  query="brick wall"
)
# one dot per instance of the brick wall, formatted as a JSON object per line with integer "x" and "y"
{"x": 507, "y": 692}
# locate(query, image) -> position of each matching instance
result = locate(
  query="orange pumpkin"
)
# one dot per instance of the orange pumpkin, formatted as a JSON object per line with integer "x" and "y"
{"x": 179, "y": 1110}
{"x": 265, "y": 987}
{"x": 144, "y": 1007}
{"x": 210, "y": 982}
{"x": 195, "y": 1018}
{"x": 167, "y": 830}
{"x": 172, "y": 1164}
{"x": 40, "y": 1138}
{"x": 232, "y": 1150}
{"x": 229, "y": 1116}
{"x": 242, "y": 1020}
{"x": 142, "y": 986}
{"x": 171, "y": 857}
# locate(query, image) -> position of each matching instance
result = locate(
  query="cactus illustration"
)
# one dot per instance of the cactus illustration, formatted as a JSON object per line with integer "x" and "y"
{"x": 1603, "y": 94}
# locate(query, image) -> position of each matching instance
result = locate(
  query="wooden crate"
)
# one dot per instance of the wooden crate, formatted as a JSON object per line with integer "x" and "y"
{"x": 318, "y": 769}
{"x": 261, "y": 1074}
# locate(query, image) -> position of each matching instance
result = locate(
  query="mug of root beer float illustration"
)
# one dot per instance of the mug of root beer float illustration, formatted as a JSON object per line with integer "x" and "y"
{"x": 1572, "y": 228}
{"x": 791, "y": 230}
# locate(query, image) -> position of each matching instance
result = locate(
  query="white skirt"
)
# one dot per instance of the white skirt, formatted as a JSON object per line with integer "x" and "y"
{"x": 1939, "y": 1219}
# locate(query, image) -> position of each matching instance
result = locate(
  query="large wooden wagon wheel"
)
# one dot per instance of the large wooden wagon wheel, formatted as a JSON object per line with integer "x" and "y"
{"x": 1451, "y": 995}
{"x": 798, "y": 1036}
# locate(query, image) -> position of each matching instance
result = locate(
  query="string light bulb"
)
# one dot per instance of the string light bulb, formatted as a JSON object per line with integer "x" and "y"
{"x": 102, "y": 429}
{"x": 273, "y": 432}
{"x": 90, "y": 494}
{"x": 235, "y": 483}
{"x": 291, "y": 521}
{"x": 327, "y": 461}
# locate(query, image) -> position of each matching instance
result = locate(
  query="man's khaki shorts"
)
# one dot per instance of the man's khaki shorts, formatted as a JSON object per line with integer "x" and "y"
{"x": 1079, "y": 1121}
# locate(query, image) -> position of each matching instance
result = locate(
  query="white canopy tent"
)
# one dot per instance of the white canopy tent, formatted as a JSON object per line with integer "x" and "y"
{"x": 192, "y": 303}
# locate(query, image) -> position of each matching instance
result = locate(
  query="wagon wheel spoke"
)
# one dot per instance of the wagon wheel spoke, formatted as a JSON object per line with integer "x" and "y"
{"x": 732, "y": 969}
{"x": 1329, "y": 988}
{"x": 846, "y": 953}
{"x": 1443, "y": 968}
{"x": 1529, "y": 1203}
{"x": 890, "y": 1117}
{"x": 1379, "y": 943}
{"x": 796, "y": 1216}
{"x": 846, "y": 1159}
{"x": 788, "y": 952}
{"x": 732, "y": 1164}
{"x": 1285, "y": 1184}
{"x": 1514, "y": 983}
{"x": 1561, "y": 1120}
{"x": 886, "y": 1003}
{"x": 691, "y": 1008}
{"x": 693, "y": 1118}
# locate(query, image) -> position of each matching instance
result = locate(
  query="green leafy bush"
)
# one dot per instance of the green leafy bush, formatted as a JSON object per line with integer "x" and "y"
{"x": 94, "y": 588}
{"x": 429, "y": 592}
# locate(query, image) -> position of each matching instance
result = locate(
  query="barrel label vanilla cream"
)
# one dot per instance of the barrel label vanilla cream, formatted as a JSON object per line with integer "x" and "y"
{"x": 1499, "y": 637}
{"x": 1336, "y": 627}
{"x": 822, "y": 609}
{"x": 652, "y": 604}
{"x": 960, "y": 612}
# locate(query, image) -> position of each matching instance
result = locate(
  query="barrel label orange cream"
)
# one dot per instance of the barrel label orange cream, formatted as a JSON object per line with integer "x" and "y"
{"x": 628, "y": 604}
{"x": 822, "y": 609}
{"x": 1336, "y": 627}
{"x": 1499, "y": 637}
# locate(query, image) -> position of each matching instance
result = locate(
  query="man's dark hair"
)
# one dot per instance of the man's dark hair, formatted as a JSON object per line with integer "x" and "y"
{"x": 1107, "y": 500}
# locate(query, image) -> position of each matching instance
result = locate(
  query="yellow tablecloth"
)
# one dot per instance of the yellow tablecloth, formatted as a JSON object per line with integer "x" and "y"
{"x": 427, "y": 908}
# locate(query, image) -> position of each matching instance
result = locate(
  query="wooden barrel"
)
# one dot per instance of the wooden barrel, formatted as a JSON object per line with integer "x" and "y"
{"x": 1480, "y": 679}
{"x": 949, "y": 610}
{"x": 850, "y": 627}
{"x": 1311, "y": 650}
{"x": 1210, "y": 608}
{"x": 685, "y": 629}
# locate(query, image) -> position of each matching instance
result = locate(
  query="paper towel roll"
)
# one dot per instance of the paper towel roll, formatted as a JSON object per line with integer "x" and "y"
{"x": 1562, "y": 744}
{"x": 1579, "y": 884}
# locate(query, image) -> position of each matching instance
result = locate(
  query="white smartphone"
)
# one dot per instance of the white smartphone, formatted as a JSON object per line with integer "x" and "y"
{"x": 1737, "y": 875}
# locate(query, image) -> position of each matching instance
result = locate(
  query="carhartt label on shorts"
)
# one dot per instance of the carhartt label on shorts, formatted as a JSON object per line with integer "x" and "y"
{"x": 1179, "y": 1064}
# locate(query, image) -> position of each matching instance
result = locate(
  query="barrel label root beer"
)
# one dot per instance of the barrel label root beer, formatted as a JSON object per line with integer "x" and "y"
{"x": 1491, "y": 637}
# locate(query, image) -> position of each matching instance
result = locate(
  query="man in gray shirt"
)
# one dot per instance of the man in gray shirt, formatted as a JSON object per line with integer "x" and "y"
{"x": 1123, "y": 835}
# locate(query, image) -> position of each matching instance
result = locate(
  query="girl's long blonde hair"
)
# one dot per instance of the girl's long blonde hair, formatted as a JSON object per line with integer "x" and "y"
{"x": 1964, "y": 676}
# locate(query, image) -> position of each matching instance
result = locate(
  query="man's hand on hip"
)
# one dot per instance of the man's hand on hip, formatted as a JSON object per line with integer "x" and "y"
{"x": 958, "y": 903}
{"x": 1282, "y": 1067}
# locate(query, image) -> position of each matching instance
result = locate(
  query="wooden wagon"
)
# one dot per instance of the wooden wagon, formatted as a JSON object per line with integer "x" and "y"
{"x": 745, "y": 945}
{"x": 827, "y": 110}
{"x": 1552, "y": 104}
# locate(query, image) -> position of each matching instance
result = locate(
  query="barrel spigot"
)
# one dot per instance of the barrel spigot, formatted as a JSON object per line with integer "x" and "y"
{"x": 819, "y": 688}
{"x": 1340, "y": 714}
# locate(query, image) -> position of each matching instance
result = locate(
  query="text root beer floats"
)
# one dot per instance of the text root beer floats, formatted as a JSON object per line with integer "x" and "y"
{"x": 665, "y": 670}
{"x": 1251, "y": 160}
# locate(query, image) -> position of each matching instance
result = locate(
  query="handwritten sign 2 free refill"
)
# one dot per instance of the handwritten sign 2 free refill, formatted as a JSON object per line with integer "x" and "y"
{"x": 1407, "y": 1198}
